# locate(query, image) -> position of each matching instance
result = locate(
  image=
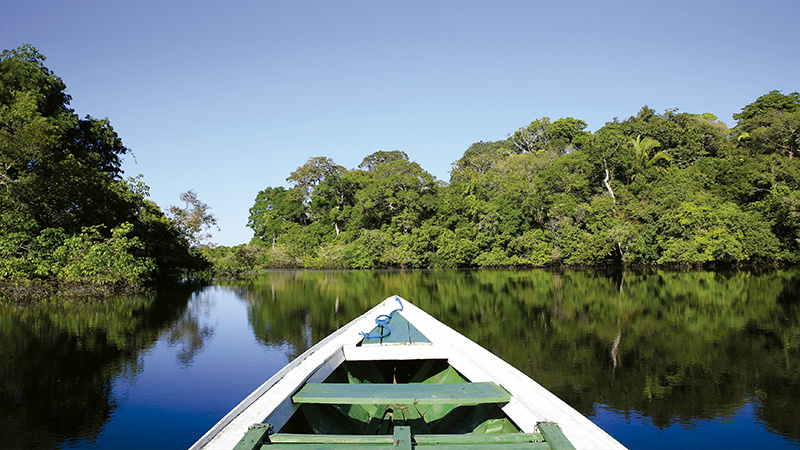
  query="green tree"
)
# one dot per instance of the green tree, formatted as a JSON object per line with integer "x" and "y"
{"x": 562, "y": 136}
{"x": 479, "y": 158}
{"x": 308, "y": 176}
{"x": 193, "y": 220}
{"x": 771, "y": 124}
{"x": 61, "y": 186}
{"x": 371, "y": 162}
{"x": 398, "y": 195}
{"x": 273, "y": 211}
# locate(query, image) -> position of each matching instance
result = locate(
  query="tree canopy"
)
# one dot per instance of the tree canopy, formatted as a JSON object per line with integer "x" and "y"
{"x": 66, "y": 213}
{"x": 669, "y": 188}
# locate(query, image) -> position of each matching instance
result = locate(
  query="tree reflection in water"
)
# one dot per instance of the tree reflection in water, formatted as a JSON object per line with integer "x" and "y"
{"x": 60, "y": 360}
{"x": 190, "y": 333}
{"x": 672, "y": 348}
{"x": 677, "y": 347}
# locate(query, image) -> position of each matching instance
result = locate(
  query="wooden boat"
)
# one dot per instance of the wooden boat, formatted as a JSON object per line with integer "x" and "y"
{"x": 410, "y": 383}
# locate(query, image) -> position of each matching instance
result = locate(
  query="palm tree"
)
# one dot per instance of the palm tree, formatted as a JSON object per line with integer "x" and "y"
{"x": 641, "y": 152}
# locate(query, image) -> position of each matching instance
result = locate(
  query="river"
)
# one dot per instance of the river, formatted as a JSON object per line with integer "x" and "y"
{"x": 659, "y": 359}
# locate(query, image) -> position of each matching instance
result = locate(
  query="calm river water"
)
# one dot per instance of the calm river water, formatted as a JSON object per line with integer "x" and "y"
{"x": 658, "y": 359}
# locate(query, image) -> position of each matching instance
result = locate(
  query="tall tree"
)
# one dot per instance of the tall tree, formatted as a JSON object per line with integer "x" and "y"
{"x": 771, "y": 124}
{"x": 57, "y": 168}
{"x": 479, "y": 158}
{"x": 194, "y": 220}
{"x": 273, "y": 210}
{"x": 371, "y": 162}
{"x": 61, "y": 192}
{"x": 311, "y": 174}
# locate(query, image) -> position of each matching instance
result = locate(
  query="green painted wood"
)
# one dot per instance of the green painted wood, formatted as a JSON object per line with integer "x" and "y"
{"x": 374, "y": 423}
{"x": 505, "y": 438}
{"x": 402, "y": 394}
{"x": 423, "y": 371}
{"x": 522, "y": 441}
{"x": 402, "y": 332}
{"x": 326, "y": 446}
{"x": 554, "y": 436}
{"x": 448, "y": 375}
{"x": 291, "y": 438}
{"x": 483, "y": 446}
{"x": 253, "y": 437}
{"x": 399, "y": 327}
{"x": 402, "y": 438}
{"x": 414, "y": 419}
{"x": 414, "y": 335}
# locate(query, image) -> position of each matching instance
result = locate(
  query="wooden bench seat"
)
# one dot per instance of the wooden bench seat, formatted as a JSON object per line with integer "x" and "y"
{"x": 401, "y": 394}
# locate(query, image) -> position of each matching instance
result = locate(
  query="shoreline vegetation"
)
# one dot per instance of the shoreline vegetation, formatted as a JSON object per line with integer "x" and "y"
{"x": 670, "y": 190}
{"x": 673, "y": 190}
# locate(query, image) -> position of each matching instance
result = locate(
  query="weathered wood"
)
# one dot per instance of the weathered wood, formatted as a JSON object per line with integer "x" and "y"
{"x": 420, "y": 439}
{"x": 554, "y": 436}
{"x": 482, "y": 446}
{"x": 504, "y": 438}
{"x": 253, "y": 438}
{"x": 423, "y": 371}
{"x": 326, "y": 446}
{"x": 402, "y": 394}
{"x": 413, "y": 418}
{"x": 396, "y": 441}
{"x": 375, "y": 422}
{"x": 291, "y": 438}
{"x": 402, "y": 438}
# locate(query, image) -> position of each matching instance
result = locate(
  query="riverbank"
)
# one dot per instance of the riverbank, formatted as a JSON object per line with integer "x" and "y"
{"x": 37, "y": 291}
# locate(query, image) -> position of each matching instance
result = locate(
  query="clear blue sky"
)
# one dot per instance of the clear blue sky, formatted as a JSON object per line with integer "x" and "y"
{"x": 229, "y": 97}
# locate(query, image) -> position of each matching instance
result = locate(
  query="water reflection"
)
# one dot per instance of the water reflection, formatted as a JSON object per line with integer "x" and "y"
{"x": 60, "y": 360}
{"x": 673, "y": 349}
{"x": 676, "y": 347}
{"x": 190, "y": 332}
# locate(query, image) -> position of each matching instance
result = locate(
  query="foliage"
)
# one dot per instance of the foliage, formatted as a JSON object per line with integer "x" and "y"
{"x": 654, "y": 189}
{"x": 676, "y": 346}
{"x": 66, "y": 214}
{"x": 194, "y": 220}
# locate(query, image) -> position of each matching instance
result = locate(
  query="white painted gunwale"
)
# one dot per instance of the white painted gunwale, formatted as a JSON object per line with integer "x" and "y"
{"x": 530, "y": 403}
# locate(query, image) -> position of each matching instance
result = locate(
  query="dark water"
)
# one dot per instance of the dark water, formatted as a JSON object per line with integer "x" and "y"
{"x": 658, "y": 359}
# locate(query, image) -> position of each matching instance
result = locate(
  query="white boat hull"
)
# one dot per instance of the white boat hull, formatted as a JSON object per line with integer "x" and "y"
{"x": 530, "y": 403}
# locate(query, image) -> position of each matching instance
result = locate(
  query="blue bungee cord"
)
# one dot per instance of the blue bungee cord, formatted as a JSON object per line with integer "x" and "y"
{"x": 383, "y": 320}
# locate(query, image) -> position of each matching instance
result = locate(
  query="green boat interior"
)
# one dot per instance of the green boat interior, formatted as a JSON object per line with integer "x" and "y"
{"x": 378, "y": 408}
{"x": 400, "y": 404}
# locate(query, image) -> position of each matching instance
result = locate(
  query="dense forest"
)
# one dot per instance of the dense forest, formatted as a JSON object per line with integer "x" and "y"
{"x": 67, "y": 216}
{"x": 654, "y": 189}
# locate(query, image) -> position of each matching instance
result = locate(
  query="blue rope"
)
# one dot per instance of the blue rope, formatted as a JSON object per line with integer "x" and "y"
{"x": 383, "y": 320}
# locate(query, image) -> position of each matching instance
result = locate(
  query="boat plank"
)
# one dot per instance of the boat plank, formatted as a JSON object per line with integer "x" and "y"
{"x": 253, "y": 438}
{"x": 554, "y": 436}
{"x": 402, "y": 438}
{"x": 327, "y": 446}
{"x": 505, "y": 441}
{"x": 402, "y": 394}
{"x": 481, "y": 446}
{"x": 499, "y": 438}
{"x": 292, "y": 438}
